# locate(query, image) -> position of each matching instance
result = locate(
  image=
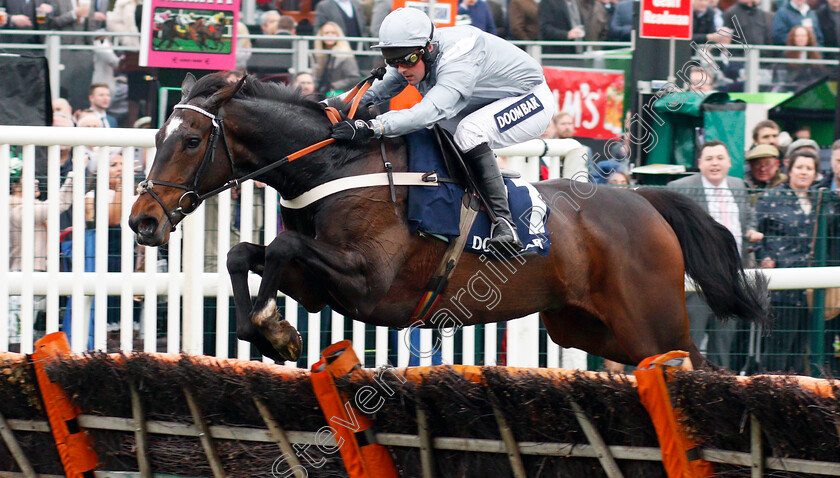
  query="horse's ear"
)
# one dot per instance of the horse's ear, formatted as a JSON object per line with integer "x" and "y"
{"x": 240, "y": 84}
{"x": 187, "y": 85}
{"x": 219, "y": 98}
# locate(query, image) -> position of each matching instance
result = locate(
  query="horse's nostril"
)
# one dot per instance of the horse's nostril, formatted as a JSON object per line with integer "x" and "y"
{"x": 146, "y": 226}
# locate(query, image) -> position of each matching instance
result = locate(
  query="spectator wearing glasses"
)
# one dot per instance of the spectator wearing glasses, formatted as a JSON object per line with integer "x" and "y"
{"x": 484, "y": 90}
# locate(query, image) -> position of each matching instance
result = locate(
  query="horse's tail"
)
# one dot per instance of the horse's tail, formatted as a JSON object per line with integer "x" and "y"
{"x": 712, "y": 259}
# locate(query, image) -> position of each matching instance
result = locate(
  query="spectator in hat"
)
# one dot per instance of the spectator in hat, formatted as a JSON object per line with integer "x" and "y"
{"x": 764, "y": 167}
{"x": 800, "y": 144}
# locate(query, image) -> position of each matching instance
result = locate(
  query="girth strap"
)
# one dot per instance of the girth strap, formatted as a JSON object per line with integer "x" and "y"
{"x": 362, "y": 181}
{"x": 438, "y": 283}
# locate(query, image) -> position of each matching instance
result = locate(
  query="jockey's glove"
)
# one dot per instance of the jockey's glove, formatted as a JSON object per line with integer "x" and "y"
{"x": 358, "y": 131}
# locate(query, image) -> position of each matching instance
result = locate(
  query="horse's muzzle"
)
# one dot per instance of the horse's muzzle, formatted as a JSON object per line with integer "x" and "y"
{"x": 147, "y": 230}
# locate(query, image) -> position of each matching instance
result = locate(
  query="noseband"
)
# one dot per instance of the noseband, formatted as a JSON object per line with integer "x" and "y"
{"x": 191, "y": 194}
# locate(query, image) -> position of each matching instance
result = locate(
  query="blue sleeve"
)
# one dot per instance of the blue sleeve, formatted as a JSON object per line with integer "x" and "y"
{"x": 780, "y": 27}
{"x": 488, "y": 14}
{"x": 619, "y": 27}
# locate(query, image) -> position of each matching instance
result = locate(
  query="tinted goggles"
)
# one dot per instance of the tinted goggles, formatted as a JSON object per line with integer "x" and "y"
{"x": 407, "y": 61}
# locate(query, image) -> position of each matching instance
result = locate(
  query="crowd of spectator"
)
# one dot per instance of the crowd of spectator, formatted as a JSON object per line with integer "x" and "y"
{"x": 791, "y": 22}
{"x": 773, "y": 214}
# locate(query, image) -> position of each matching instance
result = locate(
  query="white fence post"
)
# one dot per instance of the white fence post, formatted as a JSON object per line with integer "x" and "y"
{"x": 523, "y": 344}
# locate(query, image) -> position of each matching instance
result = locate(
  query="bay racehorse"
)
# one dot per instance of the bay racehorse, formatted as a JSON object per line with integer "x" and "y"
{"x": 612, "y": 284}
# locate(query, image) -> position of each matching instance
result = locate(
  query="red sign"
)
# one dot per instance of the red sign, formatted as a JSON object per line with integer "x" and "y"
{"x": 595, "y": 99}
{"x": 665, "y": 19}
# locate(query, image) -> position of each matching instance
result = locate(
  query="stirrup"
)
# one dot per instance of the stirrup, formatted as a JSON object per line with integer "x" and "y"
{"x": 507, "y": 235}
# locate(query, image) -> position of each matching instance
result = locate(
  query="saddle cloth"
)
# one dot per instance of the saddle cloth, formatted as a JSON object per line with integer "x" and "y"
{"x": 437, "y": 210}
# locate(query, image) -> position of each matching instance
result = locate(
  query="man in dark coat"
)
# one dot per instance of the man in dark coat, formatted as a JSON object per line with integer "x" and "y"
{"x": 347, "y": 14}
{"x": 560, "y": 20}
{"x": 621, "y": 24}
{"x": 21, "y": 15}
{"x": 828, "y": 17}
{"x": 754, "y": 22}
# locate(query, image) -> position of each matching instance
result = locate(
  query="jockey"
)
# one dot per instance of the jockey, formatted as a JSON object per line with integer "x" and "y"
{"x": 484, "y": 90}
{"x": 161, "y": 18}
{"x": 184, "y": 19}
{"x": 216, "y": 19}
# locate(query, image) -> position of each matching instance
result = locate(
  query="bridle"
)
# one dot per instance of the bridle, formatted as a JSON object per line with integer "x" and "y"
{"x": 190, "y": 192}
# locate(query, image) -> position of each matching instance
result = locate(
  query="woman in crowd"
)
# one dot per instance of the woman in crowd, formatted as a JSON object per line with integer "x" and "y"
{"x": 336, "y": 70}
{"x": 786, "y": 216}
{"x": 39, "y": 239}
{"x": 114, "y": 245}
{"x": 798, "y": 74}
{"x": 619, "y": 178}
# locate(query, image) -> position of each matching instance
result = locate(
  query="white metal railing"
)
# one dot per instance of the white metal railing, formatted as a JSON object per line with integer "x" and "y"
{"x": 186, "y": 276}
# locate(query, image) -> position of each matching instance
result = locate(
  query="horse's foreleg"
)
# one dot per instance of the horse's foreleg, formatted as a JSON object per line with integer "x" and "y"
{"x": 290, "y": 261}
{"x": 241, "y": 259}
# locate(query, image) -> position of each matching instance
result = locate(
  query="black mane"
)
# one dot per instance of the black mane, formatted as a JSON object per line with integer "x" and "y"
{"x": 254, "y": 88}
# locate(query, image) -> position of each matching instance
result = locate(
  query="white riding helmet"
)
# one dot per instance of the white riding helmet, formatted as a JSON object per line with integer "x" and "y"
{"x": 405, "y": 28}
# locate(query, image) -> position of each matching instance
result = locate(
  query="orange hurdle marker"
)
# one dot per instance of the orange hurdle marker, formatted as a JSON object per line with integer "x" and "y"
{"x": 75, "y": 446}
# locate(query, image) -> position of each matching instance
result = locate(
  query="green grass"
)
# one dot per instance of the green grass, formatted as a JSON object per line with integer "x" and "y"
{"x": 189, "y": 46}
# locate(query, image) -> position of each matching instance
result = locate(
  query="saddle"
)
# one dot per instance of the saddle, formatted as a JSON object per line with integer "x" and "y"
{"x": 458, "y": 170}
{"x": 435, "y": 211}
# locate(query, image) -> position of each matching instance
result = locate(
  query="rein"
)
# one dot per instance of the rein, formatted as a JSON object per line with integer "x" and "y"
{"x": 184, "y": 209}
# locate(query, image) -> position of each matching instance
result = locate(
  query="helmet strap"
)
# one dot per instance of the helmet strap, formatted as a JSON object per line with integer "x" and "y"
{"x": 429, "y": 57}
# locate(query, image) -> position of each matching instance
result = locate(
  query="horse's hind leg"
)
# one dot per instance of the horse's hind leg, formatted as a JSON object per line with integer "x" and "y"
{"x": 652, "y": 324}
{"x": 575, "y": 327}
{"x": 241, "y": 259}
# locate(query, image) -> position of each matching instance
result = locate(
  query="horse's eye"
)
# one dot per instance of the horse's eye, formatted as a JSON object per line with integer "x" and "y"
{"x": 193, "y": 143}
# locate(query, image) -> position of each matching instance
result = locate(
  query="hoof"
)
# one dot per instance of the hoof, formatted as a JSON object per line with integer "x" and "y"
{"x": 283, "y": 338}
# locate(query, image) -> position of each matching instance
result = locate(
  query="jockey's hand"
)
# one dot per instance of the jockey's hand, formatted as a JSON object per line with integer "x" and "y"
{"x": 357, "y": 131}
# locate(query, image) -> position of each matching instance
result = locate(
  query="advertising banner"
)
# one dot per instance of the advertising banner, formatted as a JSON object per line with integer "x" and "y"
{"x": 189, "y": 34}
{"x": 594, "y": 98}
{"x": 443, "y": 13}
{"x": 665, "y": 19}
